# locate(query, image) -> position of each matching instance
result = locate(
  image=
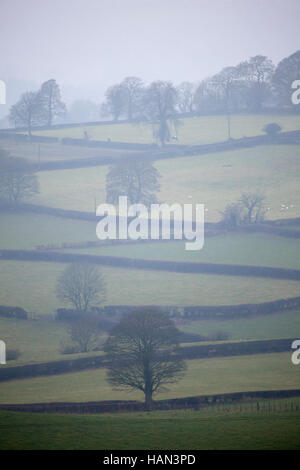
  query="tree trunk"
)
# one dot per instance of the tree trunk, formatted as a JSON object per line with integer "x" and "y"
{"x": 148, "y": 400}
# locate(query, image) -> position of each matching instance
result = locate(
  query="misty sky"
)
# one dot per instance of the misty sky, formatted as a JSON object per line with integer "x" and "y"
{"x": 91, "y": 44}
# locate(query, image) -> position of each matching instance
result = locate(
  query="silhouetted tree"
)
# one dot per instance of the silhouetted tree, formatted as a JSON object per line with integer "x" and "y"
{"x": 249, "y": 209}
{"x": 17, "y": 179}
{"x": 81, "y": 285}
{"x": 272, "y": 129}
{"x": 136, "y": 179}
{"x": 186, "y": 95}
{"x": 159, "y": 108}
{"x": 28, "y": 111}
{"x": 286, "y": 72}
{"x": 85, "y": 334}
{"x": 143, "y": 353}
{"x": 257, "y": 73}
{"x": 51, "y": 101}
{"x": 132, "y": 88}
{"x": 114, "y": 104}
{"x": 253, "y": 204}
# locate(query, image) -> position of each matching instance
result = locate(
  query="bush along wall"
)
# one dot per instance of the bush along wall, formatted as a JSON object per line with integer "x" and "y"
{"x": 13, "y": 312}
{"x": 213, "y": 312}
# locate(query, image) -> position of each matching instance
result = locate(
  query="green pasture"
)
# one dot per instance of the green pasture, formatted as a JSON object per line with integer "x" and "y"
{"x": 28, "y": 231}
{"x": 192, "y": 131}
{"x": 37, "y": 341}
{"x": 203, "y": 377}
{"x": 214, "y": 180}
{"x": 230, "y": 248}
{"x": 31, "y": 285}
{"x": 177, "y": 430}
{"x": 40, "y": 341}
{"x": 273, "y": 326}
{"x": 39, "y": 152}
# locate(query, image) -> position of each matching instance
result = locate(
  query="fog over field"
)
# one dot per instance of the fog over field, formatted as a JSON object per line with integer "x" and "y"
{"x": 149, "y": 228}
{"x": 87, "y": 46}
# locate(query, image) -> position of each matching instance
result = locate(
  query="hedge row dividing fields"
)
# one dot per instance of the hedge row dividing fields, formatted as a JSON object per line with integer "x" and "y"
{"x": 187, "y": 352}
{"x": 170, "y": 266}
{"x": 117, "y": 406}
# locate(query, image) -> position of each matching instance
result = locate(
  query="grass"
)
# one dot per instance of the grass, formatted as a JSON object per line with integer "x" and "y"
{"x": 200, "y": 130}
{"x": 214, "y": 180}
{"x": 27, "y": 231}
{"x": 40, "y": 341}
{"x": 37, "y": 341}
{"x": 41, "y": 152}
{"x": 31, "y": 285}
{"x": 203, "y": 377}
{"x": 177, "y": 430}
{"x": 231, "y": 248}
{"x": 277, "y": 325}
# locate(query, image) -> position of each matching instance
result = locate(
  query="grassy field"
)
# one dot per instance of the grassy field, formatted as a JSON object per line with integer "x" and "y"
{"x": 203, "y": 377}
{"x": 40, "y": 341}
{"x": 37, "y": 341}
{"x": 250, "y": 249}
{"x": 214, "y": 180}
{"x": 178, "y": 430}
{"x": 193, "y": 131}
{"x": 27, "y": 231}
{"x": 277, "y": 325}
{"x": 32, "y": 286}
{"x": 39, "y": 152}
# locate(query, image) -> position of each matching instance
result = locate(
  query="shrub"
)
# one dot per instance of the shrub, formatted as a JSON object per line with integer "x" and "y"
{"x": 85, "y": 334}
{"x": 272, "y": 129}
{"x": 12, "y": 354}
{"x": 66, "y": 348}
{"x": 13, "y": 312}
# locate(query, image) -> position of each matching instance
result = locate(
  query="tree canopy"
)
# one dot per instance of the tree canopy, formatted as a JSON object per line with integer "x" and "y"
{"x": 143, "y": 353}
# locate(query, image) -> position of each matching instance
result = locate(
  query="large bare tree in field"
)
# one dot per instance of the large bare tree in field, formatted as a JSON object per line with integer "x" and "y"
{"x": 81, "y": 285}
{"x": 143, "y": 353}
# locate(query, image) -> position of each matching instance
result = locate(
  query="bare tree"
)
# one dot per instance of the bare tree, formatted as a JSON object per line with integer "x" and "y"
{"x": 186, "y": 94}
{"x": 132, "y": 95}
{"x": 286, "y": 72}
{"x": 28, "y": 111}
{"x": 249, "y": 209}
{"x": 228, "y": 84}
{"x": 85, "y": 334}
{"x": 143, "y": 353}
{"x": 114, "y": 104}
{"x": 136, "y": 179}
{"x": 257, "y": 72}
{"x": 253, "y": 203}
{"x": 159, "y": 108}
{"x": 232, "y": 216}
{"x": 81, "y": 285}
{"x": 51, "y": 101}
{"x": 17, "y": 179}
